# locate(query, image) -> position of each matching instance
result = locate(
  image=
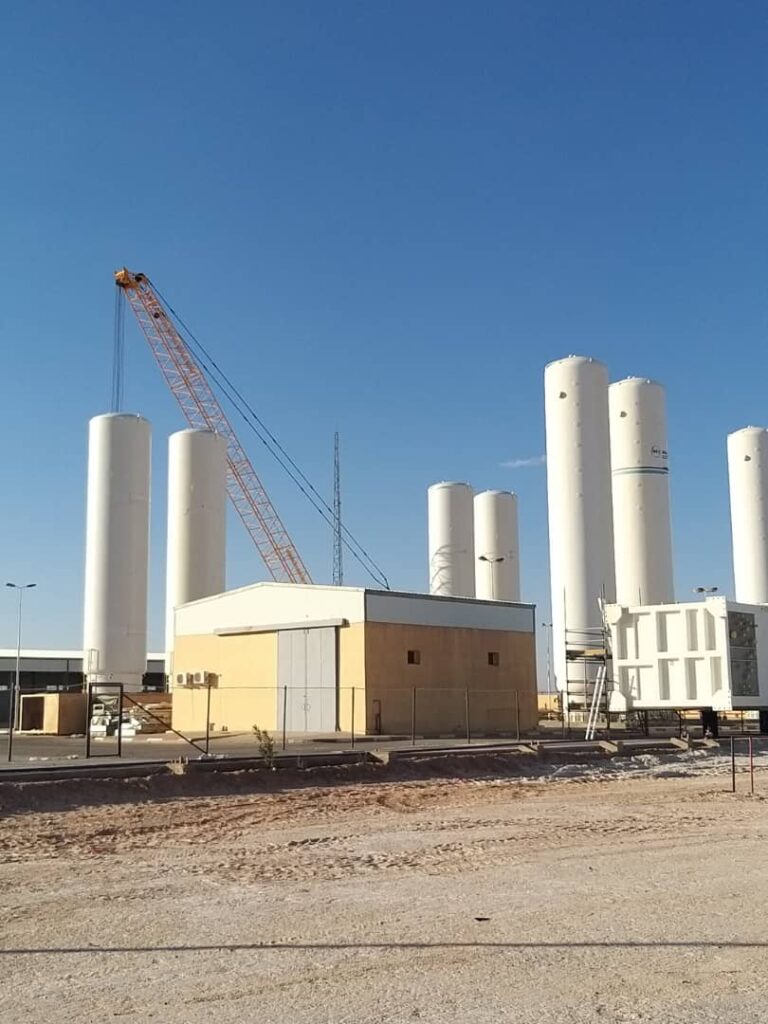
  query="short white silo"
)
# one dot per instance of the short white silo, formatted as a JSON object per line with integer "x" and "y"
{"x": 451, "y": 540}
{"x": 640, "y": 485}
{"x": 579, "y": 505}
{"x": 117, "y": 550}
{"x": 197, "y": 516}
{"x": 748, "y": 480}
{"x": 497, "y": 550}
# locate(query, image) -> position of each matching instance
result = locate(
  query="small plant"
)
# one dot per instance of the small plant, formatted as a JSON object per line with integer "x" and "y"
{"x": 266, "y": 745}
{"x": 177, "y": 767}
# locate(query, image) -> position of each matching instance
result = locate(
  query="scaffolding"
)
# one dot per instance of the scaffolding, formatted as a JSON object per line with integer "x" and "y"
{"x": 588, "y": 697}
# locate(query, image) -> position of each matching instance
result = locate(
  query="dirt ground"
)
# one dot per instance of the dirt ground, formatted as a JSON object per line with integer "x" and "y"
{"x": 639, "y": 898}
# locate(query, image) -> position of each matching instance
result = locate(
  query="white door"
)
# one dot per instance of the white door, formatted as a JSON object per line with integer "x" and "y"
{"x": 306, "y": 679}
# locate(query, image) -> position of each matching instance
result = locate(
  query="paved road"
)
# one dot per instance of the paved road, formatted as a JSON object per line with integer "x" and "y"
{"x": 31, "y": 751}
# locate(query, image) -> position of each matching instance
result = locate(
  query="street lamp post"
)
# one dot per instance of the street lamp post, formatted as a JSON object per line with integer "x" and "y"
{"x": 548, "y": 627}
{"x": 16, "y": 688}
{"x": 492, "y": 561}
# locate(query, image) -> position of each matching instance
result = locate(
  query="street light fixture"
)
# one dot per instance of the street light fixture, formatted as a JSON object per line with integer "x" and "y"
{"x": 16, "y": 689}
{"x": 492, "y": 561}
{"x": 705, "y": 590}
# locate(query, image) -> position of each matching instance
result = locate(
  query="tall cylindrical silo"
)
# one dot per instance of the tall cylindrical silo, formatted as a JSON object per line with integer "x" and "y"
{"x": 197, "y": 515}
{"x": 117, "y": 550}
{"x": 497, "y": 550}
{"x": 579, "y": 504}
{"x": 640, "y": 485}
{"x": 451, "y": 540}
{"x": 748, "y": 480}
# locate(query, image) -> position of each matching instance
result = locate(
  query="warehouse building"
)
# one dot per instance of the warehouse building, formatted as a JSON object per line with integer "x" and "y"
{"x": 319, "y": 659}
{"x": 58, "y": 671}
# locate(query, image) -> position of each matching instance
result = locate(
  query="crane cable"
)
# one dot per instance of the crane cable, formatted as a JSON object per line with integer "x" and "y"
{"x": 273, "y": 446}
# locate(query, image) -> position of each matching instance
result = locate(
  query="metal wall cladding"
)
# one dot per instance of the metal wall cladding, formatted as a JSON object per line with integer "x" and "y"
{"x": 579, "y": 502}
{"x": 197, "y": 516}
{"x": 497, "y": 547}
{"x": 748, "y": 482}
{"x": 451, "y": 540}
{"x": 640, "y": 486}
{"x": 117, "y": 549}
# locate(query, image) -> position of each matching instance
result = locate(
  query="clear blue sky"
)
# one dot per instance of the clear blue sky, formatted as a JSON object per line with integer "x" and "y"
{"x": 383, "y": 218}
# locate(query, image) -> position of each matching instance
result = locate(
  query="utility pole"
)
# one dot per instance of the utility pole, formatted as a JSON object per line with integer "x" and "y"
{"x": 338, "y": 566}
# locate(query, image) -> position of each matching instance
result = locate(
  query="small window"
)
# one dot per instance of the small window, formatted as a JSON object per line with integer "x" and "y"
{"x": 414, "y": 657}
{"x": 493, "y": 658}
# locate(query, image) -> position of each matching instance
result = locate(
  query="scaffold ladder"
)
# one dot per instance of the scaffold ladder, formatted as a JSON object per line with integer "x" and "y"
{"x": 597, "y": 696}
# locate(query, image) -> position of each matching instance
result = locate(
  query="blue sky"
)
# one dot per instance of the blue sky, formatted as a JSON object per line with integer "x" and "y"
{"x": 383, "y": 218}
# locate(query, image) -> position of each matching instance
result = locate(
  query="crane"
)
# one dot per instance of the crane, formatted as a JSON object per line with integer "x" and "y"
{"x": 202, "y": 409}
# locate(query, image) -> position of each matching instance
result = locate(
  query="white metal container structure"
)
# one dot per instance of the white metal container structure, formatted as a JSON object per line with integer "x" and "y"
{"x": 748, "y": 480}
{"x": 497, "y": 549}
{"x": 451, "y": 540}
{"x": 640, "y": 486}
{"x": 117, "y": 550}
{"x": 701, "y": 654}
{"x": 580, "y": 516}
{"x": 197, "y": 515}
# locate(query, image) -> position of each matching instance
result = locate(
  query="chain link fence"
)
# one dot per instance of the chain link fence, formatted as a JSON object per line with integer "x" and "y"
{"x": 214, "y": 714}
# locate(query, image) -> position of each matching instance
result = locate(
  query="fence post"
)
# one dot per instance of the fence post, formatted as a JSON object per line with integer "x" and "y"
{"x": 466, "y": 715}
{"x": 353, "y": 717}
{"x": 208, "y": 719}
{"x": 285, "y": 711}
{"x": 517, "y": 715}
{"x": 13, "y": 697}
{"x": 88, "y": 703}
{"x": 413, "y": 717}
{"x": 733, "y": 765}
{"x": 751, "y": 769}
{"x": 120, "y": 721}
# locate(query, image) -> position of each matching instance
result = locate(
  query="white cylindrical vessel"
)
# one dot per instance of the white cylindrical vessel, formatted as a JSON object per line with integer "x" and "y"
{"x": 451, "y": 540}
{"x": 640, "y": 485}
{"x": 580, "y": 516}
{"x": 117, "y": 550}
{"x": 197, "y": 516}
{"x": 497, "y": 550}
{"x": 748, "y": 481}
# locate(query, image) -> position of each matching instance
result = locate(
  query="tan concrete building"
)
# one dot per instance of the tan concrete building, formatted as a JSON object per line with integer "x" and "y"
{"x": 320, "y": 657}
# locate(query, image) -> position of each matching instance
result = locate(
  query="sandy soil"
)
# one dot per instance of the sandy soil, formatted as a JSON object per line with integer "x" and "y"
{"x": 640, "y": 898}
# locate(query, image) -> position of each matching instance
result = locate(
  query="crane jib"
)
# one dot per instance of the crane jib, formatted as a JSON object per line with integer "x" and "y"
{"x": 201, "y": 408}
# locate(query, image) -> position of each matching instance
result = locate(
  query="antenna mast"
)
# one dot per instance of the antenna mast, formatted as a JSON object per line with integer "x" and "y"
{"x": 338, "y": 567}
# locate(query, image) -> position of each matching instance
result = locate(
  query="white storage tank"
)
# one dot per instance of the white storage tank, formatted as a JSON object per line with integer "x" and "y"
{"x": 579, "y": 503}
{"x": 117, "y": 550}
{"x": 748, "y": 480}
{"x": 451, "y": 540}
{"x": 497, "y": 550}
{"x": 640, "y": 484}
{"x": 197, "y": 516}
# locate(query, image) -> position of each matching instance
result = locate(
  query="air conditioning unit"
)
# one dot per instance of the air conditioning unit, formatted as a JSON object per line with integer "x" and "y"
{"x": 203, "y": 678}
{"x": 184, "y": 679}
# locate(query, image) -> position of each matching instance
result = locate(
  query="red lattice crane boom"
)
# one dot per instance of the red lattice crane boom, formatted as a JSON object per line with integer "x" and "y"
{"x": 202, "y": 409}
